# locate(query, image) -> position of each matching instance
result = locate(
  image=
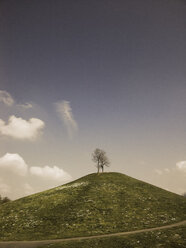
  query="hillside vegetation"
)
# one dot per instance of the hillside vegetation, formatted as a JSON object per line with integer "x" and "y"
{"x": 171, "y": 238}
{"x": 4, "y": 200}
{"x": 94, "y": 204}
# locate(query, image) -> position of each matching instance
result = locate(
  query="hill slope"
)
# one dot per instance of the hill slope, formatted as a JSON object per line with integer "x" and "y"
{"x": 94, "y": 204}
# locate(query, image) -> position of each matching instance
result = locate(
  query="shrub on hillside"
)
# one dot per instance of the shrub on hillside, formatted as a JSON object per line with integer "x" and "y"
{"x": 4, "y": 199}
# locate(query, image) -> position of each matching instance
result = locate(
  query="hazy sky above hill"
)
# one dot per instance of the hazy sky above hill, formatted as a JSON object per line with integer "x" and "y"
{"x": 76, "y": 75}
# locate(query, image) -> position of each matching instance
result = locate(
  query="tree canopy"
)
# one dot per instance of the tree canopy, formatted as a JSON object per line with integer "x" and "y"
{"x": 100, "y": 158}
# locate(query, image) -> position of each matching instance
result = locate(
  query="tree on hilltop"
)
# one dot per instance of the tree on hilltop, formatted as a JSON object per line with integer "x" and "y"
{"x": 100, "y": 158}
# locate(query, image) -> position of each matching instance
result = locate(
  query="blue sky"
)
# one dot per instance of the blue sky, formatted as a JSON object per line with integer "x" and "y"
{"x": 92, "y": 74}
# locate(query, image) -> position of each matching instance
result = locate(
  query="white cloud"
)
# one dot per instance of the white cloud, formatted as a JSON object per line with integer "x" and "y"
{"x": 181, "y": 166}
{"x": 18, "y": 180}
{"x": 64, "y": 110}
{"x": 52, "y": 173}
{"x": 6, "y": 98}
{"x": 13, "y": 162}
{"x": 4, "y": 188}
{"x": 21, "y": 129}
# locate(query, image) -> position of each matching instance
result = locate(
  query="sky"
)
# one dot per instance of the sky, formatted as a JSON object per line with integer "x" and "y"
{"x": 77, "y": 75}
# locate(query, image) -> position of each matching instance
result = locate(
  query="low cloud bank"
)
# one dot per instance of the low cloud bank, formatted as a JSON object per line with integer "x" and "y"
{"x": 51, "y": 173}
{"x": 19, "y": 128}
{"x": 18, "y": 180}
{"x": 13, "y": 163}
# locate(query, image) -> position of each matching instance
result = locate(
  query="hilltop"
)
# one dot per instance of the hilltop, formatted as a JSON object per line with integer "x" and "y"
{"x": 94, "y": 204}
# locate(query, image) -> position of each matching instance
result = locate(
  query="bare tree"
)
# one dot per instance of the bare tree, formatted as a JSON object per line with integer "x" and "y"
{"x": 100, "y": 158}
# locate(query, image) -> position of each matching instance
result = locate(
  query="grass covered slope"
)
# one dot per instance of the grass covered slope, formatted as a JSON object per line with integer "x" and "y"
{"x": 171, "y": 238}
{"x": 94, "y": 204}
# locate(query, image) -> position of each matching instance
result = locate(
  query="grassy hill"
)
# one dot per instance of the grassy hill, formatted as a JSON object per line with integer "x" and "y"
{"x": 94, "y": 204}
{"x": 170, "y": 238}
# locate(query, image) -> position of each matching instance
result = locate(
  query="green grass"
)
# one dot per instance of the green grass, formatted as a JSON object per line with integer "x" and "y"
{"x": 94, "y": 204}
{"x": 171, "y": 238}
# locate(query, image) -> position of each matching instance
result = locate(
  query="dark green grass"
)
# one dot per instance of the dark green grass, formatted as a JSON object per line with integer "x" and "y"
{"x": 171, "y": 238}
{"x": 94, "y": 204}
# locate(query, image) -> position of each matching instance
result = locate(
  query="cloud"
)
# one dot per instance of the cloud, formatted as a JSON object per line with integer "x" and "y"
{"x": 21, "y": 129}
{"x": 163, "y": 171}
{"x": 159, "y": 172}
{"x": 51, "y": 173}
{"x": 13, "y": 162}
{"x": 167, "y": 170}
{"x": 6, "y": 98}
{"x": 18, "y": 180}
{"x": 64, "y": 110}
{"x": 181, "y": 166}
{"x": 27, "y": 105}
{"x": 4, "y": 188}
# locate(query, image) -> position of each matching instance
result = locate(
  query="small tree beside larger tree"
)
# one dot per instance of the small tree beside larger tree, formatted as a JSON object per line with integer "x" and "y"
{"x": 100, "y": 158}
